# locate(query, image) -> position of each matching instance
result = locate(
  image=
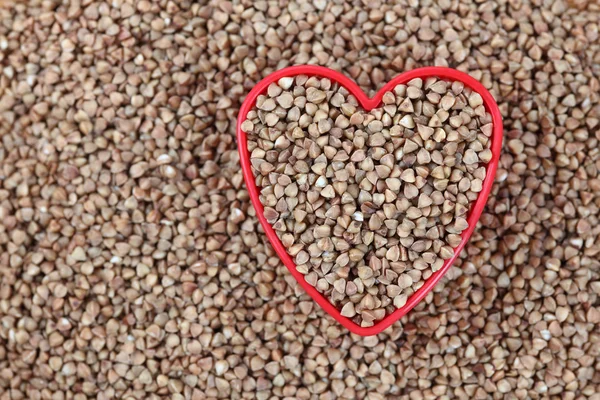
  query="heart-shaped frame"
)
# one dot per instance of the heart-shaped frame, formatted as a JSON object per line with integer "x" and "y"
{"x": 368, "y": 104}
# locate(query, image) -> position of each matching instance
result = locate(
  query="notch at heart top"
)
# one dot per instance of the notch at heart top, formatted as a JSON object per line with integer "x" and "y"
{"x": 368, "y": 201}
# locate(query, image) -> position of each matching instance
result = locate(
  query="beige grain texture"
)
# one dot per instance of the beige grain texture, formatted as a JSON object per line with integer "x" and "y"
{"x": 175, "y": 276}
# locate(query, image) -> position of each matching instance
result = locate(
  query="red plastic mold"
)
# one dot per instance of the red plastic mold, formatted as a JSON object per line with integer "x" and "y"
{"x": 369, "y": 104}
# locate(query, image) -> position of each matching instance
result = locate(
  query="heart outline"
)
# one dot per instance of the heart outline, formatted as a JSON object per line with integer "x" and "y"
{"x": 368, "y": 104}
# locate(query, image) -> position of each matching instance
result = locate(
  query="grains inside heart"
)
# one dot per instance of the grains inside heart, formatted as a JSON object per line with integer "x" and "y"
{"x": 368, "y": 203}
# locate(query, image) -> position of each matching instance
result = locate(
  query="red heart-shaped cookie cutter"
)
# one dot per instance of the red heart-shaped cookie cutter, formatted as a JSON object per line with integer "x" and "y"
{"x": 368, "y": 104}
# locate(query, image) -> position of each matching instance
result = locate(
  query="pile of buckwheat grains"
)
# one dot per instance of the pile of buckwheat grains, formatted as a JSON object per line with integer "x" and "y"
{"x": 133, "y": 267}
{"x": 368, "y": 204}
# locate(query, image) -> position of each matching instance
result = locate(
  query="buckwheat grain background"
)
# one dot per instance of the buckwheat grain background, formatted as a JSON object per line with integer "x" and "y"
{"x": 133, "y": 267}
